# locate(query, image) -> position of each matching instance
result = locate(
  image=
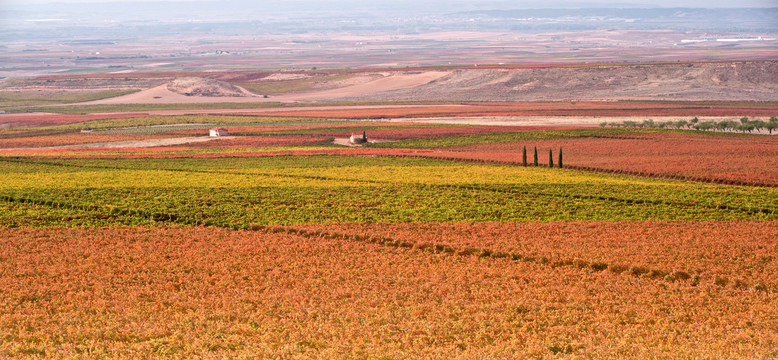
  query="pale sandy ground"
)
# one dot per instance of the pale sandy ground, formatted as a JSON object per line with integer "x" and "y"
{"x": 389, "y": 81}
{"x": 26, "y": 114}
{"x": 552, "y": 120}
{"x": 347, "y": 141}
{"x": 269, "y": 111}
{"x": 132, "y": 143}
{"x": 344, "y": 142}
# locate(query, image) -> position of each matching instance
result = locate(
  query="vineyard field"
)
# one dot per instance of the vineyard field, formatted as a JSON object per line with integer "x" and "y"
{"x": 695, "y": 251}
{"x": 185, "y": 292}
{"x": 714, "y": 156}
{"x": 336, "y": 189}
{"x": 137, "y": 235}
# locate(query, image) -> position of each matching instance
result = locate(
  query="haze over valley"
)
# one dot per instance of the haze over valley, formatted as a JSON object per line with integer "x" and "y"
{"x": 194, "y": 36}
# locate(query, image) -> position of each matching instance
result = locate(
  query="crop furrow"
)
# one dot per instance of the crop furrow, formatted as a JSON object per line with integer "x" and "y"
{"x": 592, "y": 266}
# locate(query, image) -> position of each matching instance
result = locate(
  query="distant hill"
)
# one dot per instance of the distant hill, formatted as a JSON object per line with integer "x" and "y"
{"x": 751, "y": 81}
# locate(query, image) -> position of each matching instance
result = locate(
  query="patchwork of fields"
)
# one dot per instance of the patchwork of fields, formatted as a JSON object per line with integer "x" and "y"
{"x": 439, "y": 241}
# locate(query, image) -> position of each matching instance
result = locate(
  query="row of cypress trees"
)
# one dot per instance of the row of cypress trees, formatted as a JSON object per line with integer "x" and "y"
{"x": 535, "y": 158}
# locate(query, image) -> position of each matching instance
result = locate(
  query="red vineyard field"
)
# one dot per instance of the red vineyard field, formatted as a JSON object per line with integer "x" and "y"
{"x": 234, "y": 152}
{"x": 252, "y": 141}
{"x": 424, "y": 132}
{"x": 381, "y": 130}
{"x": 544, "y": 109}
{"x": 708, "y": 156}
{"x": 278, "y": 135}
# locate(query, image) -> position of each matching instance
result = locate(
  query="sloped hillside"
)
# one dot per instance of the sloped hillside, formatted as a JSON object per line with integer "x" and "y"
{"x": 754, "y": 81}
{"x": 195, "y": 86}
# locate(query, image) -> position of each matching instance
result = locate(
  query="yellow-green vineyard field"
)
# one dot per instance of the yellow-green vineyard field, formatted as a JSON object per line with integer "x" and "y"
{"x": 239, "y": 192}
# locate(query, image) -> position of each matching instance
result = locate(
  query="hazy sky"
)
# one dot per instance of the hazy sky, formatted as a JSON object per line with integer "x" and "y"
{"x": 490, "y": 3}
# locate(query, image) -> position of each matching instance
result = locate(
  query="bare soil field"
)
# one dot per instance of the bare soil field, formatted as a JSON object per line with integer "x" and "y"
{"x": 682, "y": 81}
{"x": 196, "y": 86}
{"x": 749, "y": 81}
{"x": 743, "y": 81}
{"x": 388, "y": 82}
{"x": 221, "y": 92}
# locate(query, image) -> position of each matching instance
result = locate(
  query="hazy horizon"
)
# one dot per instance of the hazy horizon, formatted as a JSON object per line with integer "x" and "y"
{"x": 46, "y": 36}
{"x": 478, "y": 3}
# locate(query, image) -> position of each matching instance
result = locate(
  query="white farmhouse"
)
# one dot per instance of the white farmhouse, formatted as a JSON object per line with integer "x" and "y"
{"x": 358, "y": 139}
{"x": 216, "y": 132}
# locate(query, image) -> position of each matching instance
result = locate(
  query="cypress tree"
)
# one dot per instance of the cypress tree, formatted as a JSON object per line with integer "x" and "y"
{"x": 559, "y": 163}
{"x": 536, "y": 157}
{"x": 524, "y": 156}
{"x": 364, "y": 136}
{"x": 550, "y": 159}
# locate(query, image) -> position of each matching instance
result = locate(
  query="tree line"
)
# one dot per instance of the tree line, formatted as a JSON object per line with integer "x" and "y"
{"x": 745, "y": 124}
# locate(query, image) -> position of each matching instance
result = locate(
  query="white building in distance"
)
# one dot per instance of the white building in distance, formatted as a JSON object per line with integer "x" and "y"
{"x": 216, "y": 132}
